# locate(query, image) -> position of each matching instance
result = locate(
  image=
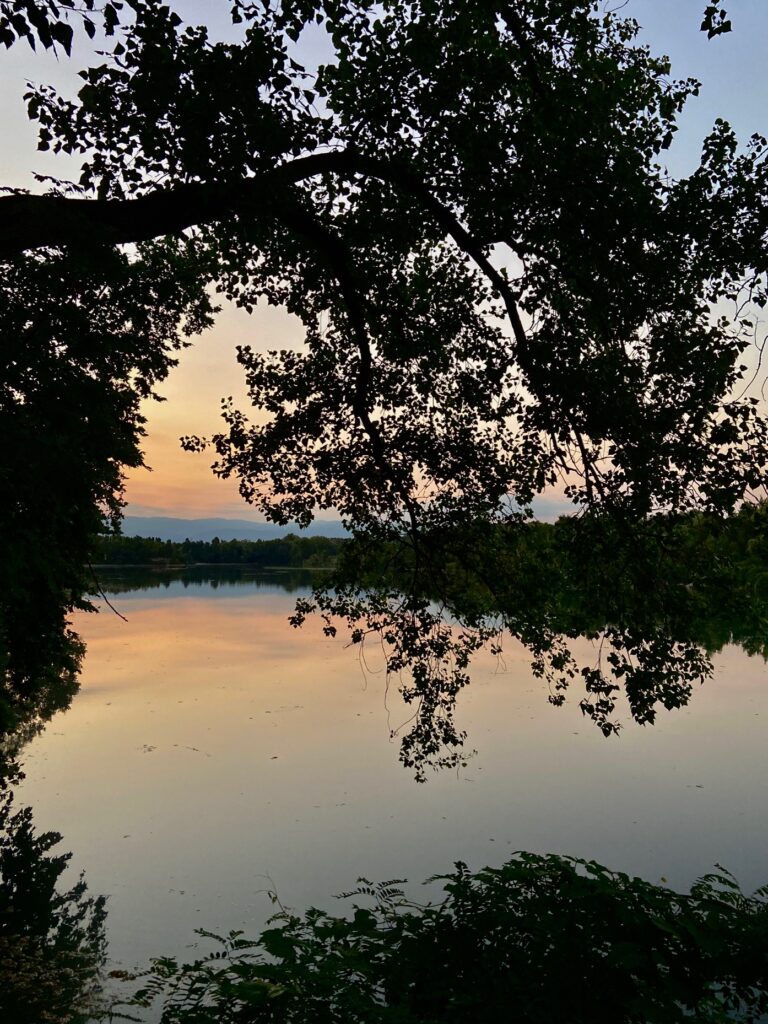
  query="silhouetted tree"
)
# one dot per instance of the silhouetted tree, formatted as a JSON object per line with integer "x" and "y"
{"x": 502, "y": 287}
{"x": 52, "y": 942}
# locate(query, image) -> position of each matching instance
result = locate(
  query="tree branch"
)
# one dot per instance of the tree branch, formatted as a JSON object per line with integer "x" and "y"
{"x": 30, "y": 222}
{"x": 342, "y": 263}
{"x": 34, "y": 222}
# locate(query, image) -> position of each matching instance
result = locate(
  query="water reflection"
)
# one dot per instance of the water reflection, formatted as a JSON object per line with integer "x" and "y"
{"x": 130, "y": 579}
{"x": 215, "y": 752}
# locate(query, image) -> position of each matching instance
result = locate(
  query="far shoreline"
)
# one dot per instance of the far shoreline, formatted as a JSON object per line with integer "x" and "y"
{"x": 210, "y": 565}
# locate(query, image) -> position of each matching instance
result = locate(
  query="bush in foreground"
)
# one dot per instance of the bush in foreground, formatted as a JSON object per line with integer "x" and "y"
{"x": 540, "y": 939}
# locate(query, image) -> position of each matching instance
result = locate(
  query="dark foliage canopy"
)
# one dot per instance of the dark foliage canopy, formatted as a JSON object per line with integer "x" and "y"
{"x": 502, "y": 288}
{"x": 52, "y": 940}
{"x": 542, "y": 938}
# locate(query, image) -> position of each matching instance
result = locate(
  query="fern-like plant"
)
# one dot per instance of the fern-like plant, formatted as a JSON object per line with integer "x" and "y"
{"x": 540, "y": 939}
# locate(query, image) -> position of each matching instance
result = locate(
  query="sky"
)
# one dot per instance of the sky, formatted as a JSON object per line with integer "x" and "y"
{"x": 734, "y": 86}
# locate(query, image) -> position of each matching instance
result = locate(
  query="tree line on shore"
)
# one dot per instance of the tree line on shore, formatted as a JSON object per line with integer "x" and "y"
{"x": 289, "y": 552}
{"x": 736, "y": 545}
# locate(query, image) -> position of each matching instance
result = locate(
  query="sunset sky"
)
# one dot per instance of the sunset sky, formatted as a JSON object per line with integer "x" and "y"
{"x": 731, "y": 69}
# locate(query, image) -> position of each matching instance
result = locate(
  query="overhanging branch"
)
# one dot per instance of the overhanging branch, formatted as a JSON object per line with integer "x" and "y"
{"x": 342, "y": 263}
{"x": 30, "y": 222}
{"x": 34, "y": 222}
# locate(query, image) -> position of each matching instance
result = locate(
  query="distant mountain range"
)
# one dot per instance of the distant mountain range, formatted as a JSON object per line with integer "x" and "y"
{"x": 169, "y": 528}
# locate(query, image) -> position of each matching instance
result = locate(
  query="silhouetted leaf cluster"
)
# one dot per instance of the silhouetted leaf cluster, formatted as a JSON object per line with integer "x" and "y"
{"x": 49, "y": 21}
{"x": 52, "y": 941}
{"x": 502, "y": 289}
{"x": 542, "y": 938}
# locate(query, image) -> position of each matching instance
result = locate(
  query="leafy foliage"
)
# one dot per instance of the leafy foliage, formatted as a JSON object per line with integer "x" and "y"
{"x": 541, "y": 938}
{"x": 48, "y": 21}
{"x": 502, "y": 287}
{"x": 52, "y": 943}
{"x": 452, "y": 132}
{"x": 716, "y": 20}
{"x": 82, "y": 341}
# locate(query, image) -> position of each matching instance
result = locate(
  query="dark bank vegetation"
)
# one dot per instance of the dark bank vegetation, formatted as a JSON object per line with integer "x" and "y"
{"x": 290, "y": 551}
{"x": 539, "y": 939}
{"x": 52, "y": 932}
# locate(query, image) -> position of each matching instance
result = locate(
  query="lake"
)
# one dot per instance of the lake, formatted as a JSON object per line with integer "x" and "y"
{"x": 215, "y": 753}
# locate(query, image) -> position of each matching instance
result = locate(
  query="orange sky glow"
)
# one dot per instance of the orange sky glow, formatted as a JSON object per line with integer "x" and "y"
{"x": 180, "y": 483}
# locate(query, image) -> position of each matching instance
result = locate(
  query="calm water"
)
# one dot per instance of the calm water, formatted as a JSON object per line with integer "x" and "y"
{"x": 214, "y": 752}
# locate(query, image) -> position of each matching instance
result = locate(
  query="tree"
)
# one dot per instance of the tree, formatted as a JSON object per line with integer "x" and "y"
{"x": 85, "y": 337}
{"x": 502, "y": 288}
{"x": 52, "y": 939}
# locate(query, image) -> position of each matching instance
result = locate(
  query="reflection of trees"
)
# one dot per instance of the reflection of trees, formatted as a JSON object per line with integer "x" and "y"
{"x": 411, "y": 408}
{"x": 656, "y": 597}
{"x": 137, "y": 577}
{"x": 40, "y": 658}
{"x": 52, "y": 944}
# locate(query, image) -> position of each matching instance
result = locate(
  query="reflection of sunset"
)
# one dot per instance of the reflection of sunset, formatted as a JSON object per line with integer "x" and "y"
{"x": 213, "y": 744}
